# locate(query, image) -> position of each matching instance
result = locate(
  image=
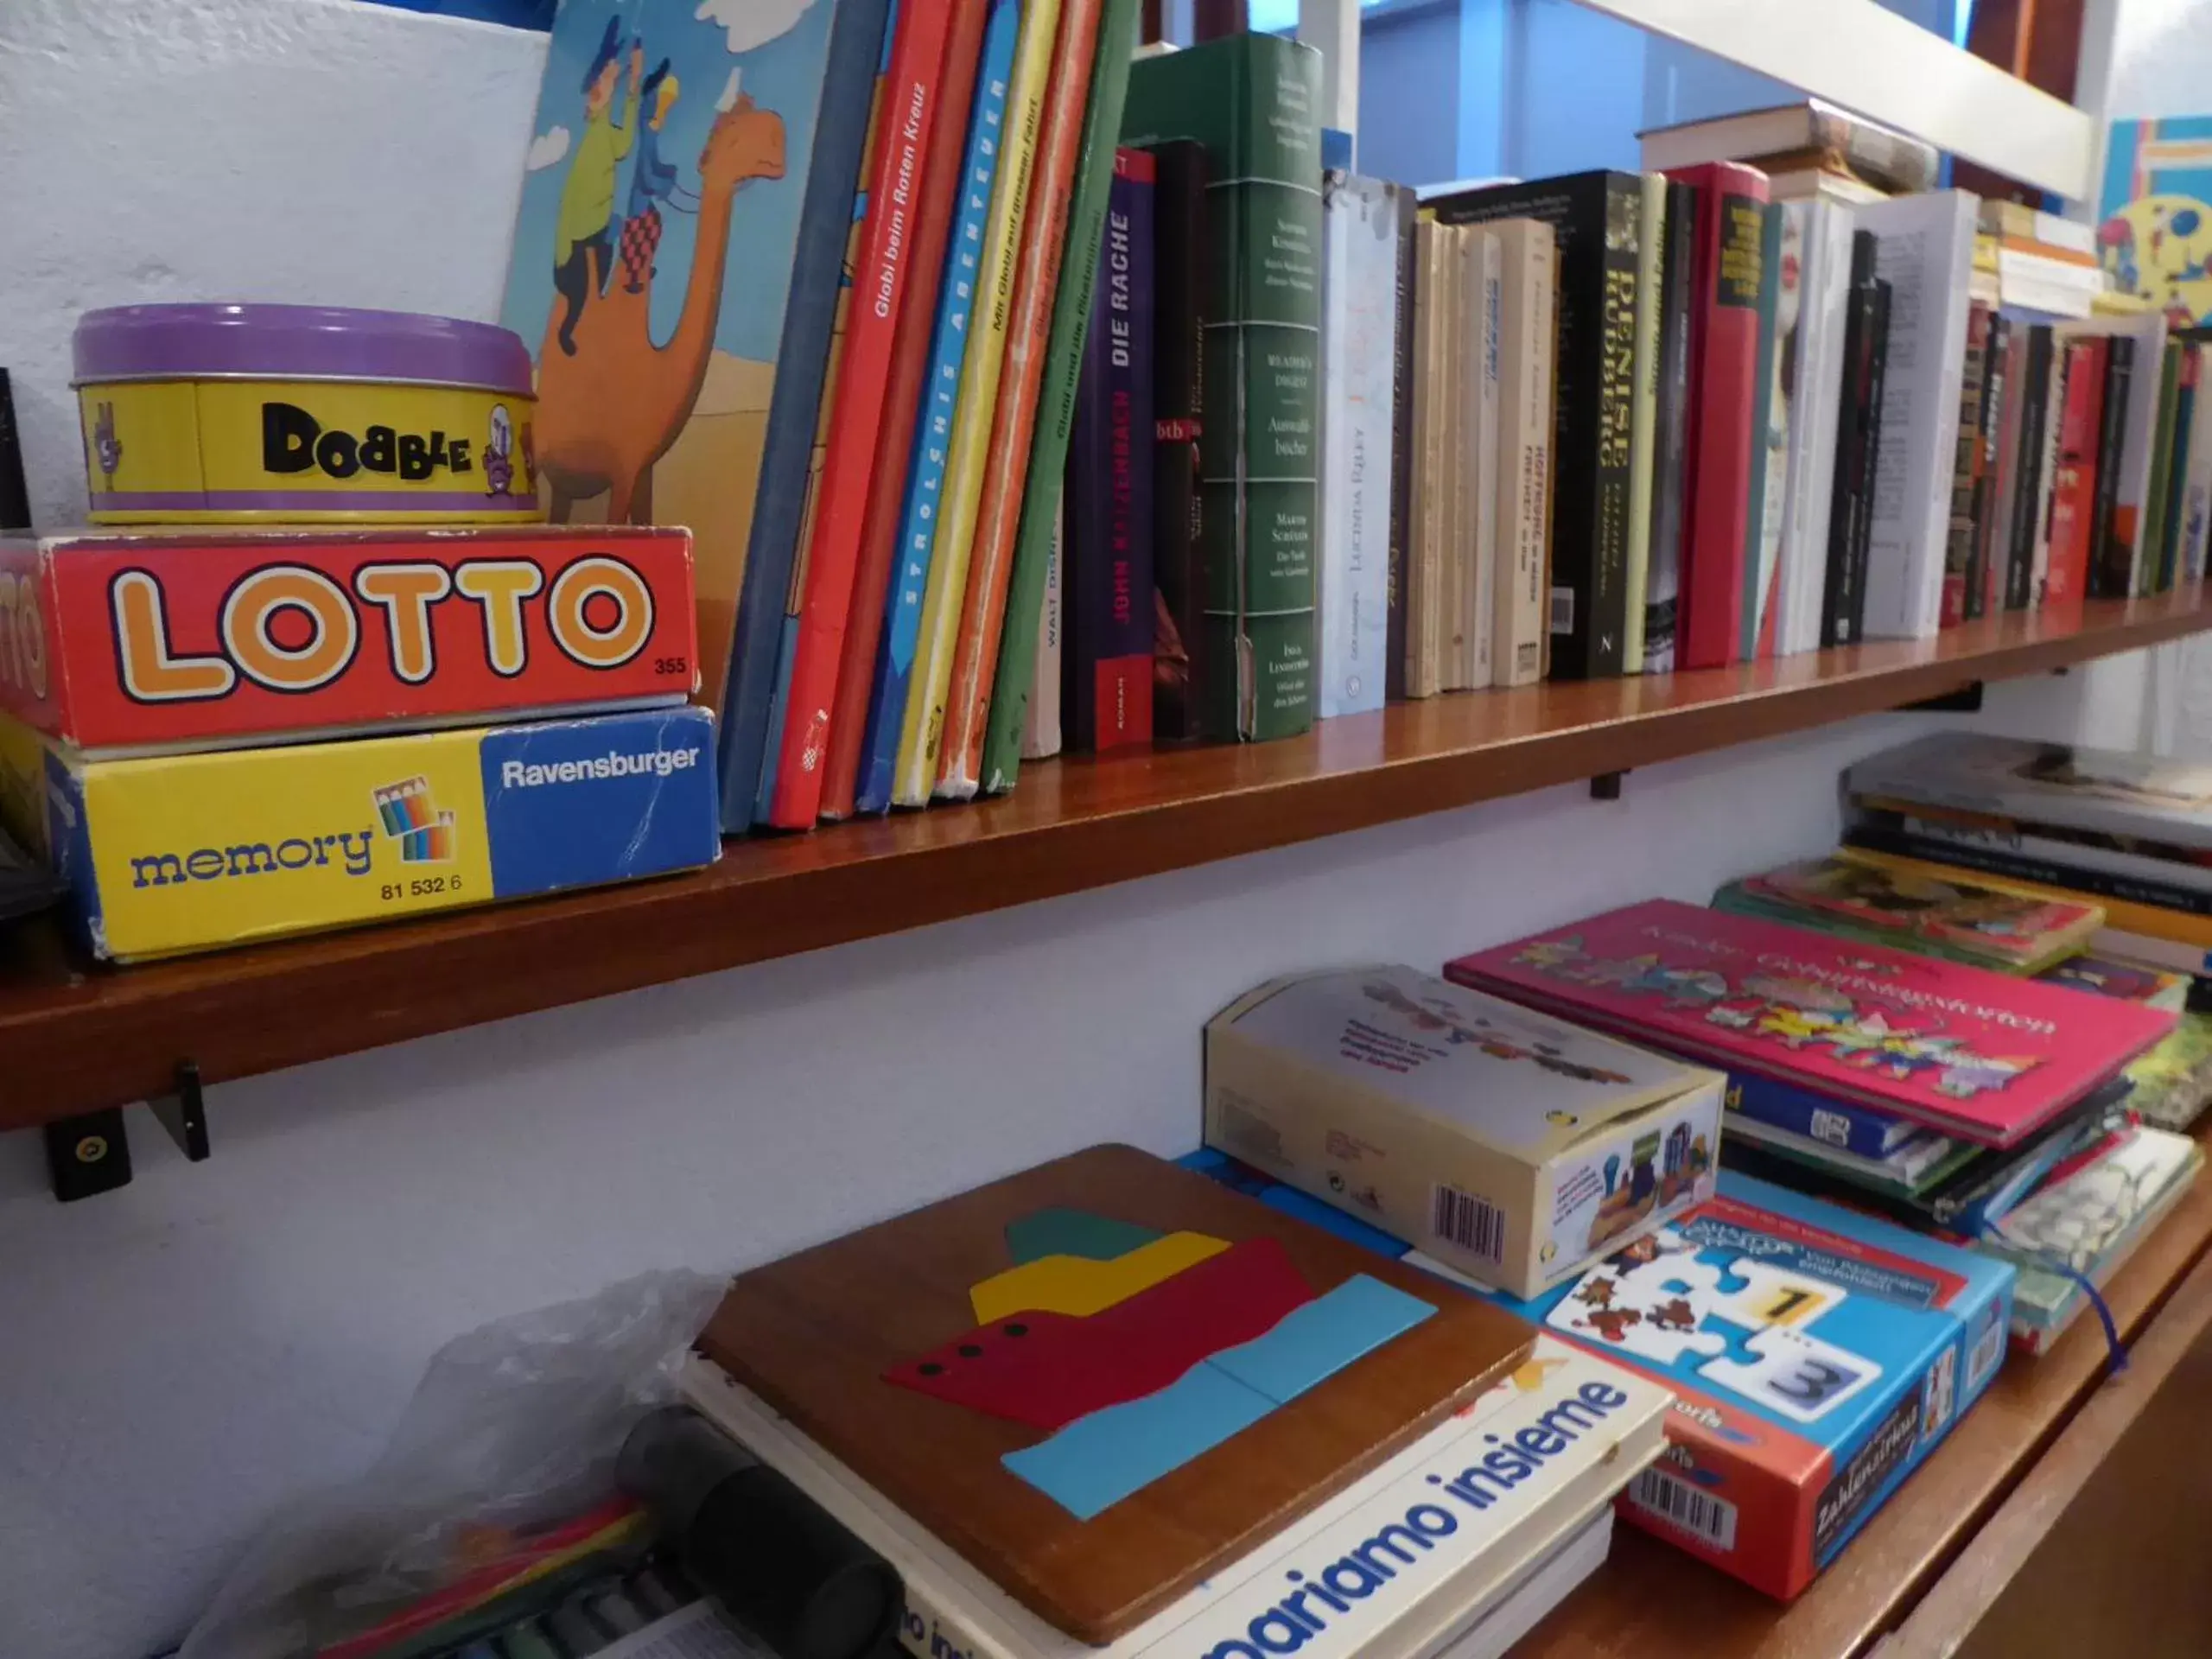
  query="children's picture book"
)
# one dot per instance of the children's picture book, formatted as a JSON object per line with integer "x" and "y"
{"x": 2173, "y": 1081}
{"x": 2078, "y": 1210}
{"x": 1986, "y": 1057}
{"x": 2154, "y": 232}
{"x": 2120, "y": 978}
{"x": 1957, "y": 919}
{"x": 1815, "y": 1355}
{"x": 687, "y": 211}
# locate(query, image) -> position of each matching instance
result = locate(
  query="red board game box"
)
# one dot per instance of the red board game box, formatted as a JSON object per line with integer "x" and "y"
{"x": 120, "y": 641}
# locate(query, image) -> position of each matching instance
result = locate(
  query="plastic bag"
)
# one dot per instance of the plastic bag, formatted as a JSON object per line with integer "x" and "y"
{"x": 514, "y": 1427}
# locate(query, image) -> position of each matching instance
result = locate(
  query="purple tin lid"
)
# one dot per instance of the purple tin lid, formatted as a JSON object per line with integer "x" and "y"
{"x": 312, "y": 342}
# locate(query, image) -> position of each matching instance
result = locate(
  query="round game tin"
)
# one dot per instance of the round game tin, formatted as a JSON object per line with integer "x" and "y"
{"x": 304, "y": 414}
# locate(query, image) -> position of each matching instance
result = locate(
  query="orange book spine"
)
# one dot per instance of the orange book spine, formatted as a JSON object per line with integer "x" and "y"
{"x": 887, "y": 495}
{"x": 1037, "y": 279}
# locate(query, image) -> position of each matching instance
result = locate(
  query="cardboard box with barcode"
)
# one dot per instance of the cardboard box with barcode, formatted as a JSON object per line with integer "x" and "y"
{"x": 1514, "y": 1145}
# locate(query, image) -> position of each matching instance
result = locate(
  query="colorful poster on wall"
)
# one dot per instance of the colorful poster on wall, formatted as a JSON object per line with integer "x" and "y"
{"x": 2155, "y": 214}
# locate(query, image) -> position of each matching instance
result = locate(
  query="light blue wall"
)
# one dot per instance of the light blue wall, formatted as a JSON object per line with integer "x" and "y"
{"x": 1409, "y": 94}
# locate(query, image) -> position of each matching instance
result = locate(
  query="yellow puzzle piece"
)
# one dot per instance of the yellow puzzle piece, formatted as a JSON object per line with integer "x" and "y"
{"x": 1079, "y": 1287}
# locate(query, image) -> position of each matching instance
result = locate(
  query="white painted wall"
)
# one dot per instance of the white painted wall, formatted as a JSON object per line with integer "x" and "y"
{"x": 179, "y": 1357}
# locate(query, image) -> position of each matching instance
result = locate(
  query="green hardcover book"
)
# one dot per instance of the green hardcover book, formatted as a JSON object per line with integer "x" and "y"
{"x": 1064, "y": 349}
{"x": 2148, "y": 569}
{"x": 1253, "y": 101}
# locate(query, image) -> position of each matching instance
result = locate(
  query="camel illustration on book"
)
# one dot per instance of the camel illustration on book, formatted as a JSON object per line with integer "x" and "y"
{"x": 612, "y": 409}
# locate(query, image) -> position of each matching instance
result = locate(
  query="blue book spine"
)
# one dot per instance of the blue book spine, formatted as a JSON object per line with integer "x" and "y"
{"x": 910, "y": 573}
{"x": 795, "y": 406}
{"x": 1817, "y": 1116}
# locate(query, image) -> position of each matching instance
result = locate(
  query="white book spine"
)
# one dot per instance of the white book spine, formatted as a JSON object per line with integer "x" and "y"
{"x": 1825, "y": 301}
{"x": 1359, "y": 355}
{"x": 1040, "y": 721}
{"x": 1925, "y": 252}
{"x": 1425, "y": 552}
{"x": 2196, "y": 480}
{"x": 1526, "y": 333}
{"x": 1479, "y": 531}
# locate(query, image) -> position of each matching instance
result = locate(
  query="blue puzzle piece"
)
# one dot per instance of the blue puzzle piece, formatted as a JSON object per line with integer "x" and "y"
{"x": 1678, "y": 1287}
{"x": 1100, "y": 1459}
{"x": 1314, "y": 1342}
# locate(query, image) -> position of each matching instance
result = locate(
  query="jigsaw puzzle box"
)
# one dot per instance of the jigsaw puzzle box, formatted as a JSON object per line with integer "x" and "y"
{"x": 210, "y": 638}
{"x": 1816, "y": 1357}
{"x": 1513, "y": 1145}
{"x": 182, "y": 853}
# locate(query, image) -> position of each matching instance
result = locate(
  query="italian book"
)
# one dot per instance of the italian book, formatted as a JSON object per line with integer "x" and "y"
{"x": 1670, "y": 480}
{"x": 2023, "y": 512}
{"x": 1180, "y": 277}
{"x": 1359, "y": 288}
{"x": 1040, "y": 720}
{"x": 1426, "y": 1546}
{"x": 2053, "y": 418}
{"x": 1985, "y": 1057}
{"x": 2074, "y": 481}
{"x": 1064, "y": 351}
{"x": 1816, "y": 297}
{"x": 1725, "y": 276}
{"x": 930, "y": 226}
{"x": 1403, "y": 470}
{"x": 906, "y": 127}
{"x": 1529, "y": 278}
{"x": 1996, "y": 396}
{"x": 1432, "y": 243}
{"x": 959, "y": 758}
{"x": 1769, "y": 448}
{"x": 1643, "y": 414}
{"x": 1858, "y": 413}
{"x": 1252, "y": 101}
{"x": 2112, "y": 550}
{"x": 720, "y": 444}
{"x": 2187, "y": 372}
{"x": 1959, "y": 918}
{"x": 1966, "y": 469}
{"x": 1596, "y": 221}
{"x": 921, "y": 731}
{"x": 1925, "y": 251}
{"x": 2197, "y": 482}
{"x": 1477, "y": 540}
{"x": 915, "y": 550}
{"x": 2132, "y": 370}
{"x": 1108, "y": 665}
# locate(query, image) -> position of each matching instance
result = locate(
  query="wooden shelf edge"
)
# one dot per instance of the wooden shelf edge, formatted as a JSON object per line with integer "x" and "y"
{"x": 75, "y": 1041}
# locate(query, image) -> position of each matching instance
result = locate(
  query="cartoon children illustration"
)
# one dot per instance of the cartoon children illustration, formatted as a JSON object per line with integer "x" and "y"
{"x": 652, "y": 181}
{"x": 107, "y": 448}
{"x": 499, "y": 453}
{"x": 581, "y": 257}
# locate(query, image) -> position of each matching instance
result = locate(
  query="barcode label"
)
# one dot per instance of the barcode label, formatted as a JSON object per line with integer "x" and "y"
{"x": 1471, "y": 1222}
{"x": 1562, "y": 610}
{"x": 1678, "y": 1503}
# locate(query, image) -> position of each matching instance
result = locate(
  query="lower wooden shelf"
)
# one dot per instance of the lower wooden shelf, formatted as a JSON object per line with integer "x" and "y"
{"x": 1650, "y": 1601}
{"x": 74, "y": 1039}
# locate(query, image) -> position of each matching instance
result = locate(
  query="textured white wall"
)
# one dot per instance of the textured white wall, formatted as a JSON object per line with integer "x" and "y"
{"x": 178, "y": 1357}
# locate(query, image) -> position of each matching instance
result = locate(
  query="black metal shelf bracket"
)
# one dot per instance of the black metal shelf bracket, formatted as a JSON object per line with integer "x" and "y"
{"x": 90, "y": 1153}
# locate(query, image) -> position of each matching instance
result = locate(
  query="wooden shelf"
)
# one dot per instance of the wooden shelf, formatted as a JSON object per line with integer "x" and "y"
{"x": 74, "y": 1039}
{"x": 1650, "y": 1601}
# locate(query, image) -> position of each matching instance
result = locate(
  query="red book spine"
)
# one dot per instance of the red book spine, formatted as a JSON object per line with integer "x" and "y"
{"x": 1037, "y": 281}
{"x": 1724, "y": 374}
{"x": 2074, "y": 489}
{"x": 908, "y": 127}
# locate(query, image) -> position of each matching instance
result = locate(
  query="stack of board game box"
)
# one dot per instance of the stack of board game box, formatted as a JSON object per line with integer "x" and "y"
{"x": 1944, "y": 1096}
{"x": 1106, "y": 1406}
{"x": 1816, "y": 1357}
{"x": 224, "y": 733}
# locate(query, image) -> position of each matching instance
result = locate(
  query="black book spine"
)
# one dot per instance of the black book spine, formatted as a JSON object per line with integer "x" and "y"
{"x": 1662, "y": 581}
{"x": 14, "y": 494}
{"x": 1994, "y": 390}
{"x": 2112, "y": 571}
{"x": 1845, "y": 503}
{"x": 1597, "y": 219}
{"x": 1959, "y": 549}
{"x": 2024, "y": 867}
{"x": 1179, "y": 411}
{"x": 1401, "y": 453}
{"x": 2034, "y": 393}
{"x": 1862, "y": 544}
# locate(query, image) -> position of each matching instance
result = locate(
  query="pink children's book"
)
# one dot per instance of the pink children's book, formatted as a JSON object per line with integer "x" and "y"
{"x": 1981, "y": 1055}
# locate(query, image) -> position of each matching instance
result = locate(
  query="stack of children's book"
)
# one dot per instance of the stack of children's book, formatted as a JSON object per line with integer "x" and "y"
{"x": 1945, "y": 1095}
{"x": 1106, "y": 1406}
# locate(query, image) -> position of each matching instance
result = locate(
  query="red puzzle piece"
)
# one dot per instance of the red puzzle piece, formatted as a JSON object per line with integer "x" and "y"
{"x": 1047, "y": 1369}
